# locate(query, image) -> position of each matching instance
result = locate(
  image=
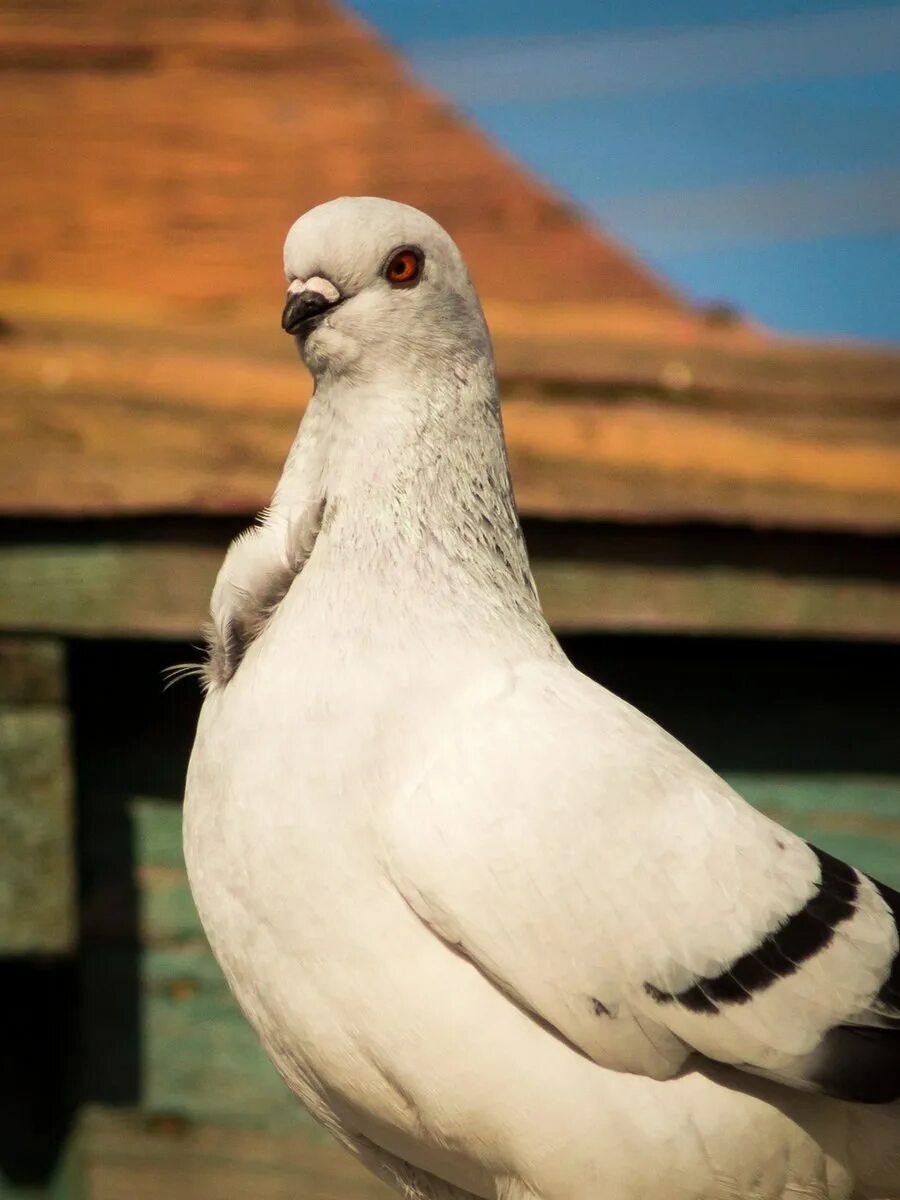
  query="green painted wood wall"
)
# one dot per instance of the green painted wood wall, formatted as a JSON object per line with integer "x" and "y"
{"x": 37, "y": 902}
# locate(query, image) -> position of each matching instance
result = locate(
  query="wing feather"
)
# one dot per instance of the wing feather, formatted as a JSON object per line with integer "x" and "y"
{"x": 621, "y": 891}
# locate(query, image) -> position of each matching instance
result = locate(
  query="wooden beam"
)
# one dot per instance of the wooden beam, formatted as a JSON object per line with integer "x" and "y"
{"x": 161, "y": 589}
{"x": 118, "y": 1153}
{"x": 32, "y": 672}
{"x": 165, "y": 413}
{"x": 582, "y": 597}
{"x": 107, "y": 589}
{"x": 36, "y": 821}
{"x": 731, "y": 366}
{"x": 597, "y": 345}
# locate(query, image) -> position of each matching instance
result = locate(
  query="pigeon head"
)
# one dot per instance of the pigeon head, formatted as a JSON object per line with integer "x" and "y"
{"x": 376, "y": 285}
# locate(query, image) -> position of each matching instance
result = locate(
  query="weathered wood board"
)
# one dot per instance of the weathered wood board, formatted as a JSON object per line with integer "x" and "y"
{"x": 32, "y": 671}
{"x": 168, "y": 414}
{"x": 161, "y": 588}
{"x": 198, "y": 132}
{"x": 37, "y": 901}
{"x": 127, "y": 1155}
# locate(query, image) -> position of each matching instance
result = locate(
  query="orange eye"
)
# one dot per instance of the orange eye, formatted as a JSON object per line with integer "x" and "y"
{"x": 404, "y": 266}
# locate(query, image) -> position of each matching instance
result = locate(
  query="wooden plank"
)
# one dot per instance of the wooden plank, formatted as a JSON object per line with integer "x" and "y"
{"x": 32, "y": 671}
{"x": 144, "y": 418}
{"x": 36, "y": 820}
{"x": 733, "y": 366}
{"x": 856, "y": 818}
{"x": 196, "y": 1054}
{"x": 162, "y": 588}
{"x": 582, "y": 597}
{"x": 116, "y": 1154}
{"x": 647, "y": 459}
{"x": 635, "y": 459}
{"x": 639, "y": 459}
{"x": 199, "y": 1057}
{"x": 109, "y": 85}
{"x": 107, "y": 589}
{"x": 167, "y": 915}
{"x": 611, "y": 344}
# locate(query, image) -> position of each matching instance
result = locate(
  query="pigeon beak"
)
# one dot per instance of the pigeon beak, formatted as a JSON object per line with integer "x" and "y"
{"x": 306, "y": 301}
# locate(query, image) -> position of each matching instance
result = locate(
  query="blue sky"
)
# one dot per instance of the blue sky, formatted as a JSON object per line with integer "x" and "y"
{"x": 749, "y": 150}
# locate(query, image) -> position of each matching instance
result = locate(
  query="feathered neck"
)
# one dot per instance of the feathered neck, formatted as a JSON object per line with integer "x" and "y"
{"x": 395, "y": 511}
{"x": 411, "y": 479}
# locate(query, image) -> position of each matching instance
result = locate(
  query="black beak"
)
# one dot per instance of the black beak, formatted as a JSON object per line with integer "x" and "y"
{"x": 303, "y": 307}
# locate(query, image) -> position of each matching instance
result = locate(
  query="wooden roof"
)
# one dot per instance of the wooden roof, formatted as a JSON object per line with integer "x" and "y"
{"x": 114, "y": 408}
{"x": 160, "y": 152}
{"x": 165, "y": 149}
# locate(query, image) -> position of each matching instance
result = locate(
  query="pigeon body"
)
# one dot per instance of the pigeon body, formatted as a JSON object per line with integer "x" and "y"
{"x": 499, "y": 932}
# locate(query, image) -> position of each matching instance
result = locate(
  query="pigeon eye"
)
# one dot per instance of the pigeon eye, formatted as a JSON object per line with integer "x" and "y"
{"x": 404, "y": 266}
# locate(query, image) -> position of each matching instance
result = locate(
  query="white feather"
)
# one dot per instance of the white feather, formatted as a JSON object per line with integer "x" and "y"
{"x": 437, "y": 865}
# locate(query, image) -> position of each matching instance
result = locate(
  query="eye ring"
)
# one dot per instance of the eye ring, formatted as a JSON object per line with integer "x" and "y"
{"x": 403, "y": 266}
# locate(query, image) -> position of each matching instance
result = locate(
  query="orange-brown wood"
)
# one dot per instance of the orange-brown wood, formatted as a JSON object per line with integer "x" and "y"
{"x": 164, "y": 149}
{"x": 160, "y": 151}
{"x": 161, "y": 411}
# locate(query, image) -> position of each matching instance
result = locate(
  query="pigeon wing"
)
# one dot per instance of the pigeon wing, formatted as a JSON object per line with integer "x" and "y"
{"x": 622, "y": 893}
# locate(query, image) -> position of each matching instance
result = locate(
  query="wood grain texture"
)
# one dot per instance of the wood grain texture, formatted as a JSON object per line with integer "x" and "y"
{"x": 37, "y": 901}
{"x": 158, "y": 411}
{"x": 32, "y": 672}
{"x": 162, "y": 589}
{"x": 117, "y": 1154}
{"x": 199, "y": 1056}
{"x": 166, "y": 150}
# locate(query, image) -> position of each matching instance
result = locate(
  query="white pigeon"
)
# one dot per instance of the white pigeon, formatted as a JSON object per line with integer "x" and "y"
{"x": 500, "y": 933}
